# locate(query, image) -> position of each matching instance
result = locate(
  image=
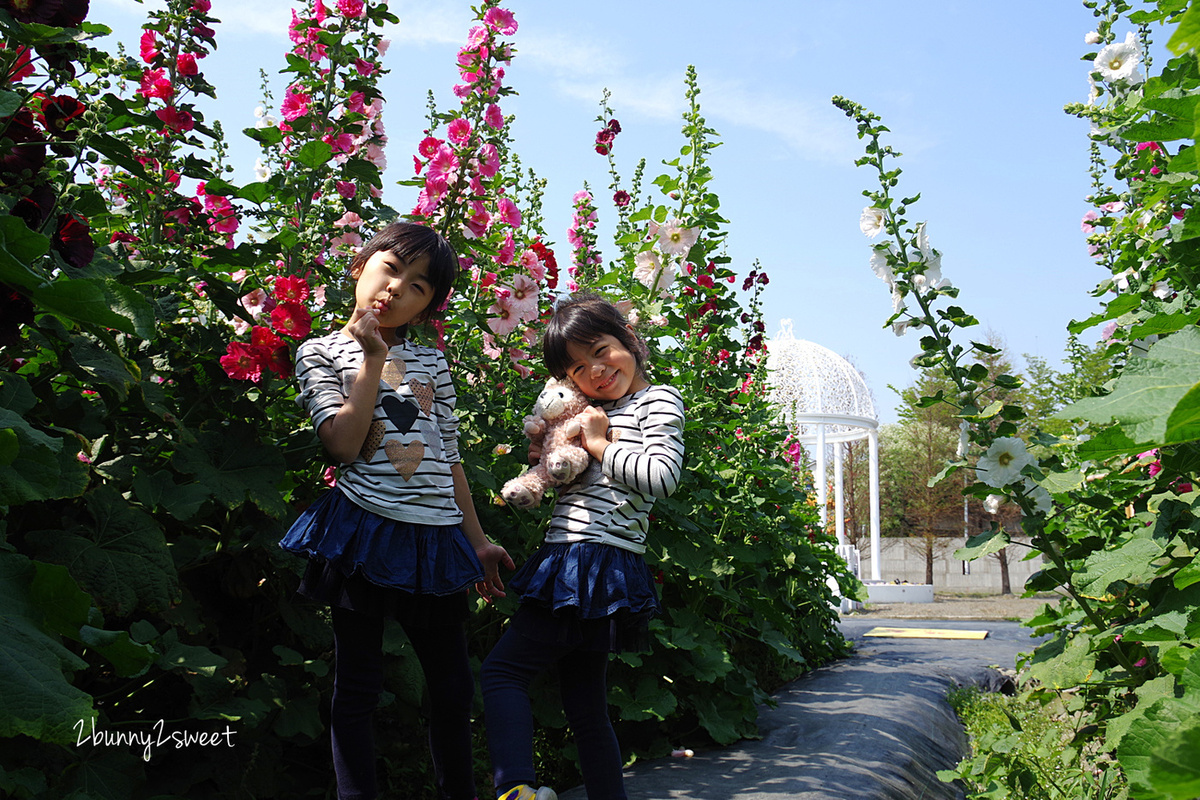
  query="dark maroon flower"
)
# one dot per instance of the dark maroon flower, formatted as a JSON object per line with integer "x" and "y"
{"x": 57, "y": 114}
{"x": 73, "y": 241}
{"x": 621, "y": 198}
{"x": 61, "y": 13}
{"x": 28, "y": 151}
{"x": 614, "y": 126}
{"x": 16, "y": 310}
{"x": 35, "y": 207}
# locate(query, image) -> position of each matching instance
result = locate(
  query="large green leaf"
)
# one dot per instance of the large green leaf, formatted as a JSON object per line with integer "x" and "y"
{"x": 982, "y": 544}
{"x": 1150, "y": 735}
{"x": 1148, "y": 694}
{"x": 38, "y": 466}
{"x": 38, "y": 700}
{"x": 122, "y": 559}
{"x": 19, "y": 246}
{"x": 1063, "y": 662}
{"x": 97, "y": 302}
{"x": 1175, "y": 767}
{"x": 231, "y": 467}
{"x": 1131, "y": 563}
{"x": 726, "y": 717}
{"x": 1146, "y": 394}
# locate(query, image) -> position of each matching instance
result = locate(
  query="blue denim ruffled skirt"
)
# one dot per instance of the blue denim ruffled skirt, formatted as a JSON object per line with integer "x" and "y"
{"x": 380, "y": 566}
{"x": 587, "y": 595}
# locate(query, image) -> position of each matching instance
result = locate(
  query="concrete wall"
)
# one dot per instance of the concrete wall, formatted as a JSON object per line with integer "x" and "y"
{"x": 904, "y": 559}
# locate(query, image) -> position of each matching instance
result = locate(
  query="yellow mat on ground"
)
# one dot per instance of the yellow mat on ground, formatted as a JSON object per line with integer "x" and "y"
{"x": 925, "y": 633}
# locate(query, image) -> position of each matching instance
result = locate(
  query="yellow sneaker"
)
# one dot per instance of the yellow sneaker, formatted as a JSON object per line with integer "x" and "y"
{"x": 527, "y": 792}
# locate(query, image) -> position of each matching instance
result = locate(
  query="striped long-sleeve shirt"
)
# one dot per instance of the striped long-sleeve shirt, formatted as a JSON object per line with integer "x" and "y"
{"x": 610, "y": 503}
{"x": 403, "y": 470}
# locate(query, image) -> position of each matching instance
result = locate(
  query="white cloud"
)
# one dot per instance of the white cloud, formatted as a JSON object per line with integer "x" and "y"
{"x": 260, "y": 16}
{"x": 433, "y": 22}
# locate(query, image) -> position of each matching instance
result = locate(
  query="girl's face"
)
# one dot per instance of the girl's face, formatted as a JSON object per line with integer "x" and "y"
{"x": 398, "y": 290}
{"x": 604, "y": 369}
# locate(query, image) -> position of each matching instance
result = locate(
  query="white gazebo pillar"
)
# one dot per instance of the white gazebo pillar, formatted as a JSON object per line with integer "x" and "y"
{"x": 873, "y": 439}
{"x": 839, "y": 494}
{"x": 820, "y": 477}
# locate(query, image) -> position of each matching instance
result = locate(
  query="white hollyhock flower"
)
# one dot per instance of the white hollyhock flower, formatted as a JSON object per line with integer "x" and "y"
{"x": 1043, "y": 502}
{"x": 1162, "y": 290}
{"x": 1003, "y": 461}
{"x": 993, "y": 502}
{"x": 871, "y": 221}
{"x": 1092, "y": 37}
{"x": 882, "y": 269}
{"x": 963, "y": 439}
{"x": 897, "y": 301}
{"x": 651, "y": 272}
{"x": 260, "y": 170}
{"x": 1119, "y": 60}
{"x": 676, "y": 240}
{"x": 900, "y": 326}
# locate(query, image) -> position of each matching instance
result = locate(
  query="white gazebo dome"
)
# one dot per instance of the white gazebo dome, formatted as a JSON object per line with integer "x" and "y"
{"x": 824, "y": 401}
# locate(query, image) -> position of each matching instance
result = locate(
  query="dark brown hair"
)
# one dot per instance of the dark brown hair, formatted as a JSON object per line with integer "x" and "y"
{"x": 408, "y": 240}
{"x": 583, "y": 320}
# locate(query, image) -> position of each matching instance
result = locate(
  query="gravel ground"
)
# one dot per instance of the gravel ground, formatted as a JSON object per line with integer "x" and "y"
{"x": 960, "y": 606}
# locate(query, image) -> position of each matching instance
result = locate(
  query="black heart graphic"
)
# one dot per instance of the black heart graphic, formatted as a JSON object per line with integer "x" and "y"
{"x": 401, "y": 412}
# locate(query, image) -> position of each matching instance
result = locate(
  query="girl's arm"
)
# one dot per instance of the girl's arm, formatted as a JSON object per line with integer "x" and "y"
{"x": 655, "y": 468}
{"x": 343, "y": 434}
{"x": 491, "y": 555}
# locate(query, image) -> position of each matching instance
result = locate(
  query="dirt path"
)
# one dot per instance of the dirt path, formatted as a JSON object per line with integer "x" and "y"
{"x": 961, "y": 606}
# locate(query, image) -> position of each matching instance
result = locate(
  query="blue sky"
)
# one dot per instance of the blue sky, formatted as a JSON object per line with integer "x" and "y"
{"x": 973, "y": 93}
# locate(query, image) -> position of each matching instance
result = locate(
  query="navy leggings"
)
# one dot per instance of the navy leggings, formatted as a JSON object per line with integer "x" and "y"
{"x": 357, "y": 682}
{"x": 510, "y": 667}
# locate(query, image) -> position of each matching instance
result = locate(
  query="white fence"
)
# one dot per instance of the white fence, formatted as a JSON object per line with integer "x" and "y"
{"x": 904, "y": 560}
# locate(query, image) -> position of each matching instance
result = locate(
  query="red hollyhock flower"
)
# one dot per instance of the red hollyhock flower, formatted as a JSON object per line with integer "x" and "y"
{"x": 58, "y": 112}
{"x": 22, "y": 66}
{"x": 175, "y": 120}
{"x": 29, "y": 146}
{"x": 185, "y": 64}
{"x": 621, "y": 198}
{"x": 242, "y": 362}
{"x": 73, "y": 241}
{"x": 203, "y": 6}
{"x": 35, "y": 207}
{"x": 155, "y": 83}
{"x": 148, "y": 47}
{"x": 291, "y": 289}
{"x": 291, "y": 319}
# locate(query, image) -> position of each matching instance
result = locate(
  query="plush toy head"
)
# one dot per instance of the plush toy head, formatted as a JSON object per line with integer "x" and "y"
{"x": 553, "y": 423}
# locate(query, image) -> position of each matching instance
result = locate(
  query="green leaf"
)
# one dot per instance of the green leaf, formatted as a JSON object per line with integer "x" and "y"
{"x": 128, "y": 658}
{"x": 1146, "y": 393}
{"x": 122, "y": 559}
{"x": 43, "y": 468}
{"x": 1187, "y": 35}
{"x": 1108, "y": 443}
{"x": 97, "y": 302}
{"x": 1063, "y": 662}
{"x": 10, "y": 103}
{"x": 982, "y": 544}
{"x": 1131, "y": 563}
{"x": 1121, "y": 305}
{"x": 1175, "y": 766}
{"x": 1061, "y": 482}
{"x": 269, "y": 136}
{"x": 63, "y": 604}
{"x": 1149, "y": 735}
{"x": 159, "y": 489}
{"x": 19, "y": 247}
{"x": 231, "y": 470}
{"x": 648, "y": 699}
{"x": 1162, "y": 130}
{"x": 188, "y": 657}
{"x": 1147, "y": 694}
{"x": 1183, "y": 425}
{"x": 1187, "y": 575}
{"x": 314, "y": 155}
{"x": 103, "y": 367}
{"x": 725, "y": 717}
{"x": 38, "y": 700}
{"x": 256, "y": 192}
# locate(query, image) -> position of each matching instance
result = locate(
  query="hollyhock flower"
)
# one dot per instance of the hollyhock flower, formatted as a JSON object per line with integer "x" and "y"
{"x": 185, "y": 64}
{"x": 489, "y": 346}
{"x": 202, "y": 6}
{"x": 444, "y": 163}
{"x": 489, "y": 161}
{"x": 1086, "y": 225}
{"x": 503, "y": 321}
{"x": 242, "y": 362}
{"x": 255, "y": 302}
{"x": 22, "y": 66}
{"x": 1003, "y": 461}
{"x": 175, "y": 119}
{"x": 58, "y": 112}
{"x": 505, "y": 253}
{"x": 349, "y": 240}
{"x": 349, "y": 219}
{"x": 155, "y": 83}
{"x": 148, "y": 46}
{"x": 291, "y": 289}
{"x": 1119, "y": 60}
{"x": 459, "y": 131}
{"x": 261, "y": 172}
{"x": 204, "y": 32}
{"x": 871, "y": 222}
{"x": 501, "y": 21}
{"x": 429, "y": 146}
{"x": 523, "y": 298}
{"x": 676, "y": 240}
{"x": 651, "y": 272}
{"x": 383, "y": 46}
{"x": 346, "y": 189}
{"x": 517, "y": 357}
{"x": 73, "y": 241}
{"x": 508, "y": 212}
{"x": 291, "y": 319}
{"x": 534, "y": 265}
{"x": 364, "y": 67}
{"x": 621, "y": 198}
{"x": 1043, "y": 503}
{"x": 295, "y": 104}
{"x": 493, "y": 116}
{"x": 375, "y": 154}
{"x": 1114, "y": 207}
{"x": 993, "y": 502}
{"x": 352, "y": 9}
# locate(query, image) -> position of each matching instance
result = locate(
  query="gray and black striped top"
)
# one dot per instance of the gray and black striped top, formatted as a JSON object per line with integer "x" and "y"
{"x": 403, "y": 470}
{"x": 610, "y": 503}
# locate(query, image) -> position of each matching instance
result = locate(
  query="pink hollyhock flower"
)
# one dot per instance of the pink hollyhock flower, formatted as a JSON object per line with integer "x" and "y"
{"x": 319, "y": 296}
{"x": 493, "y": 116}
{"x": 508, "y": 212}
{"x": 349, "y": 240}
{"x": 1088, "y": 218}
{"x": 356, "y": 103}
{"x": 204, "y": 32}
{"x": 444, "y": 163}
{"x": 329, "y": 477}
{"x": 500, "y": 20}
{"x": 295, "y": 104}
{"x": 383, "y": 46}
{"x": 705, "y": 280}
{"x": 428, "y": 148}
{"x": 148, "y": 46}
{"x": 156, "y": 84}
{"x": 202, "y": 6}
{"x": 1108, "y": 330}
{"x": 582, "y": 196}
{"x": 505, "y": 253}
{"x": 349, "y": 219}
{"x": 462, "y": 91}
{"x": 489, "y": 346}
{"x": 676, "y": 240}
{"x": 459, "y": 131}
{"x": 346, "y": 189}
{"x": 185, "y": 64}
{"x": 352, "y": 9}
{"x": 364, "y": 67}
{"x": 523, "y": 299}
{"x": 478, "y": 220}
{"x": 376, "y": 156}
{"x": 291, "y": 289}
{"x": 477, "y": 36}
{"x": 242, "y": 362}
{"x": 427, "y": 202}
{"x": 503, "y": 320}
{"x": 291, "y": 319}
{"x": 489, "y": 161}
{"x": 535, "y": 266}
{"x": 517, "y": 357}
{"x": 240, "y": 325}
{"x": 176, "y": 120}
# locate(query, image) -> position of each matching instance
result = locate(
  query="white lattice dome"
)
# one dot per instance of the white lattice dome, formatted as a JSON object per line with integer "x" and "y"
{"x": 811, "y": 384}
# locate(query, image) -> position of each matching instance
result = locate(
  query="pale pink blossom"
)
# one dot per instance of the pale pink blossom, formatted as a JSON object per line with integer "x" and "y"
{"x": 376, "y": 156}
{"x": 676, "y": 240}
{"x": 383, "y": 46}
{"x": 523, "y": 299}
{"x": 254, "y": 302}
{"x": 346, "y": 189}
{"x": 517, "y": 357}
{"x": 530, "y": 261}
{"x": 240, "y": 325}
{"x": 503, "y": 320}
{"x": 349, "y": 220}
{"x": 1085, "y": 224}
{"x": 489, "y": 346}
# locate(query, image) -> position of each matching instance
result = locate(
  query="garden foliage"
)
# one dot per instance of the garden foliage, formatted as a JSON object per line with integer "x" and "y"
{"x": 152, "y": 454}
{"x": 1112, "y": 504}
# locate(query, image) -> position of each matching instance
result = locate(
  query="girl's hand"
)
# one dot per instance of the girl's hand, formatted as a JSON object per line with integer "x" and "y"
{"x": 364, "y": 328}
{"x": 491, "y": 556}
{"x": 593, "y": 425}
